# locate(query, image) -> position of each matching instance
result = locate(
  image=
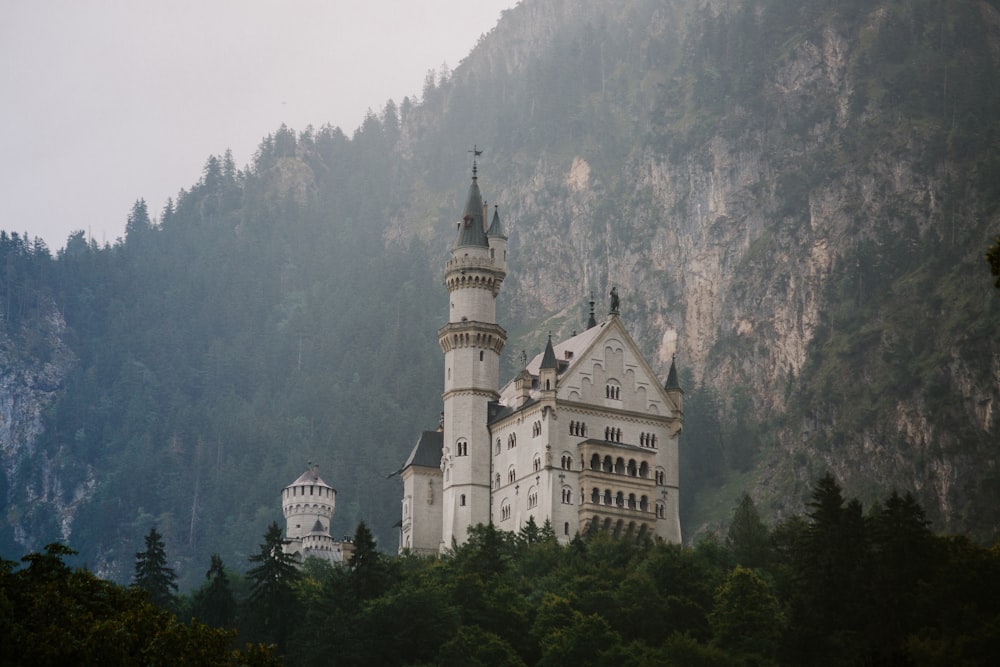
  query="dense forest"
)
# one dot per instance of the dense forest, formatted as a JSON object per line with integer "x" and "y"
{"x": 836, "y": 586}
{"x": 795, "y": 198}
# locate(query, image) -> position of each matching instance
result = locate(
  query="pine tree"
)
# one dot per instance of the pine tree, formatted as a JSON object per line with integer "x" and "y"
{"x": 214, "y": 602}
{"x": 272, "y": 595}
{"x": 152, "y": 573}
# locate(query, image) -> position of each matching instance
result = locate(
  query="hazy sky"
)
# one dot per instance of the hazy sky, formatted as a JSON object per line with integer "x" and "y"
{"x": 105, "y": 102}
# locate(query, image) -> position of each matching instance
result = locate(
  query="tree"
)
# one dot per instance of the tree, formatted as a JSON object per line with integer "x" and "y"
{"x": 272, "y": 594}
{"x": 748, "y": 538}
{"x": 368, "y": 569}
{"x": 214, "y": 603}
{"x": 152, "y": 573}
{"x": 746, "y": 617}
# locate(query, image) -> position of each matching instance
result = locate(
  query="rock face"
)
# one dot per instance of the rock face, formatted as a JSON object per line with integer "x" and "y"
{"x": 777, "y": 210}
{"x": 39, "y": 485}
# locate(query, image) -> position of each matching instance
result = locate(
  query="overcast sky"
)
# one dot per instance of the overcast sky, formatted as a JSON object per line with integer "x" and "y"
{"x": 105, "y": 102}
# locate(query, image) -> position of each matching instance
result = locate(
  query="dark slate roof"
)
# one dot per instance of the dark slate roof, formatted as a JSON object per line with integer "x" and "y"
{"x": 427, "y": 451}
{"x": 310, "y": 476}
{"x": 318, "y": 527}
{"x": 504, "y": 411}
{"x": 672, "y": 382}
{"x": 496, "y": 229}
{"x": 549, "y": 358}
{"x": 471, "y": 230}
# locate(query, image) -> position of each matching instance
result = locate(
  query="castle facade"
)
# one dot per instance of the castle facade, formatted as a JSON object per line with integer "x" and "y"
{"x": 584, "y": 437}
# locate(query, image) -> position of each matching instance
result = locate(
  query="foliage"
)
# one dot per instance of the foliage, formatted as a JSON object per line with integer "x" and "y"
{"x": 271, "y": 606}
{"x": 893, "y": 594}
{"x": 53, "y": 615}
{"x": 152, "y": 573}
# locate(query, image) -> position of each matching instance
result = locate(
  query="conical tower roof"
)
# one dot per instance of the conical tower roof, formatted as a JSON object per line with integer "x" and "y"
{"x": 549, "y": 358}
{"x": 471, "y": 229}
{"x": 672, "y": 381}
{"x": 496, "y": 229}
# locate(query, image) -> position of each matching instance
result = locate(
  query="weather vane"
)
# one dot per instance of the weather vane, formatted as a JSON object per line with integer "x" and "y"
{"x": 476, "y": 152}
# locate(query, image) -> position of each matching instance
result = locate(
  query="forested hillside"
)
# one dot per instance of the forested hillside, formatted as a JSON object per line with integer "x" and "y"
{"x": 794, "y": 198}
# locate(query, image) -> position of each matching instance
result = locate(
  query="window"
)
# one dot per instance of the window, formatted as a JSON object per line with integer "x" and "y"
{"x": 496, "y": 482}
{"x": 536, "y": 429}
{"x": 505, "y": 510}
{"x": 536, "y": 464}
{"x": 613, "y": 391}
{"x": 566, "y": 528}
{"x": 660, "y": 477}
{"x": 532, "y": 498}
{"x": 567, "y": 495}
{"x": 511, "y": 441}
{"x": 578, "y": 429}
{"x": 567, "y": 462}
{"x": 480, "y": 355}
{"x": 660, "y": 512}
{"x": 511, "y": 476}
{"x": 462, "y": 448}
{"x": 497, "y": 447}
{"x": 461, "y": 500}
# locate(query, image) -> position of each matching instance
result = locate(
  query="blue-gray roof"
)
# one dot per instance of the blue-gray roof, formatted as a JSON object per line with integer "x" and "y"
{"x": 427, "y": 451}
{"x": 471, "y": 230}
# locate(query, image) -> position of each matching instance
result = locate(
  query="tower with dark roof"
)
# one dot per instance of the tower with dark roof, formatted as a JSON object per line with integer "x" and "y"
{"x": 471, "y": 341}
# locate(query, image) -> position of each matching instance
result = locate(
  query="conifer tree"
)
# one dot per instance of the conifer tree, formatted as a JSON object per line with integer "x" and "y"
{"x": 214, "y": 602}
{"x": 272, "y": 596}
{"x": 152, "y": 573}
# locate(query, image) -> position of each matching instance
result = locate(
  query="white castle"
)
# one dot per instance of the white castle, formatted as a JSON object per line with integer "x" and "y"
{"x": 308, "y": 504}
{"x": 584, "y": 437}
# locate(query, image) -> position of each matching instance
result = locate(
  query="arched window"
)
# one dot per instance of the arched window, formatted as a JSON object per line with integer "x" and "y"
{"x": 620, "y": 466}
{"x": 505, "y": 510}
{"x": 608, "y": 465}
{"x": 532, "y": 498}
{"x": 566, "y": 528}
{"x": 595, "y": 496}
{"x": 511, "y": 441}
{"x": 643, "y": 470}
{"x": 595, "y": 462}
{"x": 631, "y": 468}
{"x": 536, "y": 429}
{"x": 631, "y": 501}
{"x": 496, "y": 481}
{"x": 660, "y": 476}
{"x": 536, "y": 463}
{"x": 511, "y": 476}
{"x": 462, "y": 447}
{"x": 644, "y": 503}
{"x": 607, "y": 496}
{"x": 461, "y": 500}
{"x": 497, "y": 448}
{"x": 660, "y": 511}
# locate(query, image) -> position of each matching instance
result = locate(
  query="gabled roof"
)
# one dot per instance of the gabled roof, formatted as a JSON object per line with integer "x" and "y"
{"x": 427, "y": 451}
{"x": 569, "y": 353}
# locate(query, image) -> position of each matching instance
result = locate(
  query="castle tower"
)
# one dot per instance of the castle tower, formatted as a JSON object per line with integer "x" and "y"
{"x": 471, "y": 342}
{"x": 308, "y": 504}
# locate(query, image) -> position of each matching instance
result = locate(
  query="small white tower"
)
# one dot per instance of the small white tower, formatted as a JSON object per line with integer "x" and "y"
{"x": 308, "y": 504}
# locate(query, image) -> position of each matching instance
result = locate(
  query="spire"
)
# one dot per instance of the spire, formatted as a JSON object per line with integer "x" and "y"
{"x": 592, "y": 322}
{"x": 495, "y": 227}
{"x": 672, "y": 382}
{"x": 549, "y": 358}
{"x": 471, "y": 230}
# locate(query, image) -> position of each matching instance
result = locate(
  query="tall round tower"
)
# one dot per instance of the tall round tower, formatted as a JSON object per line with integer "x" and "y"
{"x": 306, "y": 501}
{"x": 471, "y": 342}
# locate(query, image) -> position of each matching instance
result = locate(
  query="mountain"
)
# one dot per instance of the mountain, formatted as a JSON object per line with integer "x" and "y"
{"x": 793, "y": 198}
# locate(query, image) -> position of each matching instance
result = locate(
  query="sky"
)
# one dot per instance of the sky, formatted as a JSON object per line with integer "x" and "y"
{"x": 103, "y": 102}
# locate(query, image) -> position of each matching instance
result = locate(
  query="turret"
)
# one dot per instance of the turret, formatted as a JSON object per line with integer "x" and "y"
{"x": 471, "y": 342}
{"x": 673, "y": 386}
{"x": 548, "y": 370}
{"x": 307, "y": 501}
{"x": 497, "y": 241}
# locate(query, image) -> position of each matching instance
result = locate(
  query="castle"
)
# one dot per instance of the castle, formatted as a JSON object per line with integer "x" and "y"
{"x": 584, "y": 437}
{"x": 308, "y": 504}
